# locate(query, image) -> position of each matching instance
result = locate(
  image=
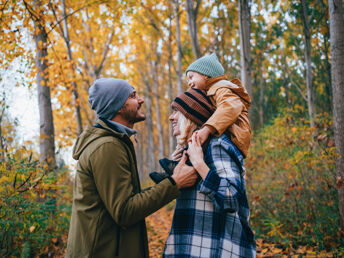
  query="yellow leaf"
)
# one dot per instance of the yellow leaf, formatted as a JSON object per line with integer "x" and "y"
{"x": 32, "y": 228}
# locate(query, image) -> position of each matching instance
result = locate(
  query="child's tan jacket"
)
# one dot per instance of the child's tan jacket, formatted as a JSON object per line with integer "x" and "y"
{"x": 232, "y": 103}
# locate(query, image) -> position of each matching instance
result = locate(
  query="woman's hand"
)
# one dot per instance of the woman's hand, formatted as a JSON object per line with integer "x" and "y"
{"x": 177, "y": 154}
{"x": 195, "y": 153}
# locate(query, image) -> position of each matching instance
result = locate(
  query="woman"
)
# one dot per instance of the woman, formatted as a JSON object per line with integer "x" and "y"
{"x": 211, "y": 218}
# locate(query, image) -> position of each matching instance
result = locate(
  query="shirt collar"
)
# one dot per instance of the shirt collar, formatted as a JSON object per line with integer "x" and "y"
{"x": 121, "y": 128}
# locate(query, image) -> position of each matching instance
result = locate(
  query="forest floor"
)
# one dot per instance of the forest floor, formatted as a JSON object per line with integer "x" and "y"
{"x": 159, "y": 223}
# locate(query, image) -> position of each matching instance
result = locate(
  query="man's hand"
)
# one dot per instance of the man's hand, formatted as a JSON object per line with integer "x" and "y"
{"x": 204, "y": 133}
{"x": 184, "y": 175}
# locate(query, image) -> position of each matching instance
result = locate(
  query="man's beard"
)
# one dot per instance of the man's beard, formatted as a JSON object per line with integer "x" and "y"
{"x": 132, "y": 116}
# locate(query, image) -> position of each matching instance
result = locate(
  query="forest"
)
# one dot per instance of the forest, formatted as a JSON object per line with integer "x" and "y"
{"x": 289, "y": 54}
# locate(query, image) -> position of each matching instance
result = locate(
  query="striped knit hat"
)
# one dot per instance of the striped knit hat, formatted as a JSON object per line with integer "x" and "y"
{"x": 207, "y": 65}
{"x": 195, "y": 105}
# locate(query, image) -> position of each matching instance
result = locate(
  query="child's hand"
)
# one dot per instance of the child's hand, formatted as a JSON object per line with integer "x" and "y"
{"x": 203, "y": 134}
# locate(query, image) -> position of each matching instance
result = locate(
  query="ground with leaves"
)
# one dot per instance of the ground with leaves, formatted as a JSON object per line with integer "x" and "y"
{"x": 159, "y": 223}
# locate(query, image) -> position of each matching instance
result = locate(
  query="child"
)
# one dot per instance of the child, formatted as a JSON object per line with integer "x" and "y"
{"x": 231, "y": 101}
{"x": 229, "y": 97}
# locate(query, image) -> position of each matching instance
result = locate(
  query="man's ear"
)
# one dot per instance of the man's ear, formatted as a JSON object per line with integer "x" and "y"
{"x": 121, "y": 110}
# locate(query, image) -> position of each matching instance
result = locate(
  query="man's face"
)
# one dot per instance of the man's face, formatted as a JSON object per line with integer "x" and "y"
{"x": 196, "y": 80}
{"x": 174, "y": 119}
{"x": 131, "y": 110}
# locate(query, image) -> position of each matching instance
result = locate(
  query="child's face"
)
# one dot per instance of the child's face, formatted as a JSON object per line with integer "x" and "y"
{"x": 196, "y": 80}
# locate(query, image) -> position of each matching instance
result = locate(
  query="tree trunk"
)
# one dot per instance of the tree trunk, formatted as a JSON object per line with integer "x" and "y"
{"x": 245, "y": 57}
{"x": 192, "y": 13}
{"x": 337, "y": 75}
{"x": 172, "y": 139}
{"x": 47, "y": 137}
{"x": 308, "y": 57}
{"x": 70, "y": 57}
{"x": 261, "y": 91}
{"x": 150, "y": 151}
{"x": 179, "y": 45}
{"x": 2, "y": 145}
{"x": 155, "y": 64}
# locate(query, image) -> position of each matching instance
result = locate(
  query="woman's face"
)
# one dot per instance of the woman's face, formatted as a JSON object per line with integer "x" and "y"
{"x": 174, "y": 119}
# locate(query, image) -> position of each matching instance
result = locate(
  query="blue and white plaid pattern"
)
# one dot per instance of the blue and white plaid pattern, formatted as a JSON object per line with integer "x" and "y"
{"x": 211, "y": 218}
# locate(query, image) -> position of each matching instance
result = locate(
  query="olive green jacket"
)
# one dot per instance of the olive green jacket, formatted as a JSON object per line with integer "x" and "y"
{"x": 109, "y": 206}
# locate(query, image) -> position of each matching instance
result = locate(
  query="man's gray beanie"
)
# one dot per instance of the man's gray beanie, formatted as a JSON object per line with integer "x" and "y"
{"x": 107, "y": 96}
{"x": 208, "y": 65}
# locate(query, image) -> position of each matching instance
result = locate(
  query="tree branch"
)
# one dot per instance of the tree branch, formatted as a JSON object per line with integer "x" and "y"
{"x": 60, "y": 26}
{"x": 77, "y": 10}
{"x": 106, "y": 50}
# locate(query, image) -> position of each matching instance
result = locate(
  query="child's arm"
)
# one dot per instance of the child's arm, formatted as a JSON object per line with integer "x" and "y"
{"x": 205, "y": 132}
{"x": 228, "y": 108}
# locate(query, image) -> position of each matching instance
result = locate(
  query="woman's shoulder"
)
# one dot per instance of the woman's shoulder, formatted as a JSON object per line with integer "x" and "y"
{"x": 223, "y": 139}
{"x": 223, "y": 146}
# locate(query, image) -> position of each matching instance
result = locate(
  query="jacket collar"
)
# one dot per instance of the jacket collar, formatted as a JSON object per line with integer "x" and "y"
{"x": 120, "y": 128}
{"x": 106, "y": 125}
{"x": 212, "y": 81}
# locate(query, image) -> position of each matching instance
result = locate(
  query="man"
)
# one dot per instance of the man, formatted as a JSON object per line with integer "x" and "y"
{"x": 108, "y": 205}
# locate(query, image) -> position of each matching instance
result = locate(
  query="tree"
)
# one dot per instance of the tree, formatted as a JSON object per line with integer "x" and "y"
{"x": 337, "y": 75}
{"x": 179, "y": 51}
{"x": 308, "y": 57}
{"x": 192, "y": 13}
{"x": 245, "y": 48}
{"x": 65, "y": 35}
{"x": 47, "y": 135}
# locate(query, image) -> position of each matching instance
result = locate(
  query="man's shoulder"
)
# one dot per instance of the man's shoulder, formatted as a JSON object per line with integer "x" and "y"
{"x": 108, "y": 141}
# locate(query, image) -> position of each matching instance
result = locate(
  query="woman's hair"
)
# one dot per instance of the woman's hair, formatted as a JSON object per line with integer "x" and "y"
{"x": 186, "y": 128}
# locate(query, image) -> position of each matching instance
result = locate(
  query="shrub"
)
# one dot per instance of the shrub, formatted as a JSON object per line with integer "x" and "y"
{"x": 291, "y": 183}
{"x": 34, "y": 208}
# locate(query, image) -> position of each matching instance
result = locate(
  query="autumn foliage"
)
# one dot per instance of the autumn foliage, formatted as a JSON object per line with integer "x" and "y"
{"x": 35, "y": 207}
{"x": 291, "y": 183}
{"x": 291, "y": 180}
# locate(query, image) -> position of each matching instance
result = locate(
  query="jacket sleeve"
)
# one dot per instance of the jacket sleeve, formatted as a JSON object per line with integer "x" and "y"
{"x": 228, "y": 108}
{"x": 224, "y": 183}
{"x": 113, "y": 178}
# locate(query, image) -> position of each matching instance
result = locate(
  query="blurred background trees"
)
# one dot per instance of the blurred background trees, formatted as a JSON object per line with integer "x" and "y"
{"x": 280, "y": 49}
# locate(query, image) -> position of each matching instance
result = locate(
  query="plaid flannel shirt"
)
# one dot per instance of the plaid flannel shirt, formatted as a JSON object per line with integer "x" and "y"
{"x": 211, "y": 219}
